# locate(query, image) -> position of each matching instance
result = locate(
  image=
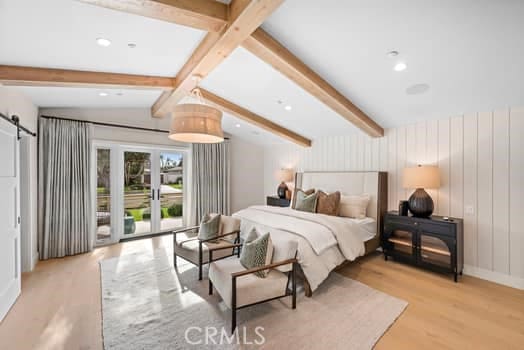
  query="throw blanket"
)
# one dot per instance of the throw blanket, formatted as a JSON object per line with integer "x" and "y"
{"x": 321, "y": 231}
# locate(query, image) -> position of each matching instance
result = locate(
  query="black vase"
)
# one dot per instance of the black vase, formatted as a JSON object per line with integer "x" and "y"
{"x": 421, "y": 204}
{"x": 281, "y": 190}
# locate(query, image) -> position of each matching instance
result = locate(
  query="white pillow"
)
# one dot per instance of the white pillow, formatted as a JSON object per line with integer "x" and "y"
{"x": 354, "y": 206}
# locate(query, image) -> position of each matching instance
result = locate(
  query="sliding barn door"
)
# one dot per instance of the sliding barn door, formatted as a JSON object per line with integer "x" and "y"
{"x": 9, "y": 218}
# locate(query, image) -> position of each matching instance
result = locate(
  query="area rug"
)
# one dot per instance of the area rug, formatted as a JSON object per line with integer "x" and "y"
{"x": 147, "y": 304}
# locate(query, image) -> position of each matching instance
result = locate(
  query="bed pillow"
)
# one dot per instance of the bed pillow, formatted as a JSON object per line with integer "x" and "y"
{"x": 354, "y": 206}
{"x": 294, "y": 197}
{"x": 257, "y": 251}
{"x": 328, "y": 204}
{"x": 209, "y": 226}
{"x": 307, "y": 203}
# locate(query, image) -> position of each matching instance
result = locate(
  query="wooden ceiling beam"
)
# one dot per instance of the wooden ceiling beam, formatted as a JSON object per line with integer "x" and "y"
{"x": 245, "y": 16}
{"x": 31, "y": 76}
{"x": 265, "y": 47}
{"x": 208, "y": 15}
{"x": 253, "y": 118}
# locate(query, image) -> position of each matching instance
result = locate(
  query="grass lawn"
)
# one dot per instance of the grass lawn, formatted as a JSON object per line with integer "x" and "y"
{"x": 177, "y": 186}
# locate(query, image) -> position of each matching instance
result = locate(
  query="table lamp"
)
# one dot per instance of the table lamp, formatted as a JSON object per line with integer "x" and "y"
{"x": 420, "y": 178}
{"x": 284, "y": 175}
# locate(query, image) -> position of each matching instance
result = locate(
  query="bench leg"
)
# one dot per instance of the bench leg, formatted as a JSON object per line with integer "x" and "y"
{"x": 210, "y": 287}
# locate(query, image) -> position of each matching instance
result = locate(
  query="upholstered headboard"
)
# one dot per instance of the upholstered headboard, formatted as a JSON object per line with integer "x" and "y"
{"x": 373, "y": 183}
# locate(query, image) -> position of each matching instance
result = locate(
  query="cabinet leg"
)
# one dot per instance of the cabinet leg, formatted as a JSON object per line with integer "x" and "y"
{"x": 385, "y": 257}
{"x": 460, "y": 273}
{"x": 456, "y": 277}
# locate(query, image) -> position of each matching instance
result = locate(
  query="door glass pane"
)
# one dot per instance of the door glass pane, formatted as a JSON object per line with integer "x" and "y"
{"x": 435, "y": 251}
{"x": 103, "y": 194}
{"x": 137, "y": 193}
{"x": 171, "y": 190}
{"x": 402, "y": 241}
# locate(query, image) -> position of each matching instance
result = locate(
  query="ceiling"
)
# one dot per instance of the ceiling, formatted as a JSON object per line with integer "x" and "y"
{"x": 249, "y": 82}
{"x": 63, "y": 33}
{"x": 469, "y": 52}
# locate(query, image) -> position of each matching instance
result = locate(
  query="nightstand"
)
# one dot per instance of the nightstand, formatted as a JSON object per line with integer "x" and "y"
{"x": 277, "y": 202}
{"x": 435, "y": 243}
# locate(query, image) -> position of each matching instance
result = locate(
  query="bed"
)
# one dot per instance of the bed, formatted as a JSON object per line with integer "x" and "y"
{"x": 325, "y": 242}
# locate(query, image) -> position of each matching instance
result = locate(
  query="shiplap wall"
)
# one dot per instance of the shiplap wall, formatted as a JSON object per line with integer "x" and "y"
{"x": 481, "y": 160}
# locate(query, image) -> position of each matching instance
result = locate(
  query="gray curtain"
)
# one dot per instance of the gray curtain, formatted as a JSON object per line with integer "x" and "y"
{"x": 210, "y": 180}
{"x": 65, "y": 189}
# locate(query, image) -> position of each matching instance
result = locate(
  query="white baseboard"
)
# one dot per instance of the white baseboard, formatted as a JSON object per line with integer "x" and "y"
{"x": 492, "y": 276}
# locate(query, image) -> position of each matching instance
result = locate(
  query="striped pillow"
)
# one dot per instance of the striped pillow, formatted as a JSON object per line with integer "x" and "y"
{"x": 257, "y": 251}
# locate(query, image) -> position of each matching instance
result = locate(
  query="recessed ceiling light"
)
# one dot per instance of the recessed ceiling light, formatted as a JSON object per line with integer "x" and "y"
{"x": 237, "y": 125}
{"x": 280, "y": 102}
{"x": 417, "y": 89}
{"x": 392, "y": 53}
{"x": 103, "y": 94}
{"x": 399, "y": 67}
{"x": 288, "y": 108}
{"x": 131, "y": 45}
{"x": 103, "y": 42}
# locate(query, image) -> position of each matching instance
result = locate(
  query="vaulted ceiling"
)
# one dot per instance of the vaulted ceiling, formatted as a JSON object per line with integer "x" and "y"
{"x": 469, "y": 53}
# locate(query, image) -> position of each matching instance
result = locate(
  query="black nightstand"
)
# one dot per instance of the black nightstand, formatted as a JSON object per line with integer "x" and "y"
{"x": 433, "y": 243}
{"x": 277, "y": 202}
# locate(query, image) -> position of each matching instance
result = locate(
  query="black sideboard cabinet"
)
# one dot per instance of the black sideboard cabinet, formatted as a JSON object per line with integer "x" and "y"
{"x": 277, "y": 201}
{"x": 432, "y": 243}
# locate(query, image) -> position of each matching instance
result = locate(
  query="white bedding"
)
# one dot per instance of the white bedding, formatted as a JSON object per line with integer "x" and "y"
{"x": 324, "y": 242}
{"x": 367, "y": 228}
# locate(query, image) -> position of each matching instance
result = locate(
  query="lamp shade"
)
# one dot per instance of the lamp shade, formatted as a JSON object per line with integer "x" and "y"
{"x": 421, "y": 177}
{"x": 285, "y": 175}
{"x": 196, "y": 123}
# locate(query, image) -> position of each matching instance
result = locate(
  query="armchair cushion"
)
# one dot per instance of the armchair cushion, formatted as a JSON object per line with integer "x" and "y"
{"x": 229, "y": 224}
{"x": 209, "y": 226}
{"x": 250, "y": 288}
{"x": 186, "y": 246}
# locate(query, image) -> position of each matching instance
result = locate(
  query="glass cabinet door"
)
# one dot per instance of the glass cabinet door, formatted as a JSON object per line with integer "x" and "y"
{"x": 434, "y": 250}
{"x": 402, "y": 241}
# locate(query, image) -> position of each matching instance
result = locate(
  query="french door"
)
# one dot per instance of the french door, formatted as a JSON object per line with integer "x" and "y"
{"x": 140, "y": 190}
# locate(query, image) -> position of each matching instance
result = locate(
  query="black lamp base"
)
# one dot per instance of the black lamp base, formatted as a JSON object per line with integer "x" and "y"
{"x": 421, "y": 204}
{"x": 281, "y": 190}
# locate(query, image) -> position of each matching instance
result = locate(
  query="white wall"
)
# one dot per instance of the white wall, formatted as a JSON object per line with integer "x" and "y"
{"x": 140, "y": 117}
{"x": 13, "y": 102}
{"x": 481, "y": 158}
{"x": 247, "y": 174}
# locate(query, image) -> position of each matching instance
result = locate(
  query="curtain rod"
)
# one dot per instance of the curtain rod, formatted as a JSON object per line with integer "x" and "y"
{"x": 112, "y": 125}
{"x": 15, "y": 120}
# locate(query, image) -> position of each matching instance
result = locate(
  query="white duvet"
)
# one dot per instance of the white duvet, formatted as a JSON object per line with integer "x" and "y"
{"x": 324, "y": 241}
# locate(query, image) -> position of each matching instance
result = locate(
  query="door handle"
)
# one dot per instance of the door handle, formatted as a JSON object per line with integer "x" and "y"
{"x": 158, "y": 194}
{"x": 152, "y": 194}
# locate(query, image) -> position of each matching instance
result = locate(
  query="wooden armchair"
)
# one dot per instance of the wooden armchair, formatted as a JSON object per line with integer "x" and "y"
{"x": 188, "y": 246}
{"x": 240, "y": 288}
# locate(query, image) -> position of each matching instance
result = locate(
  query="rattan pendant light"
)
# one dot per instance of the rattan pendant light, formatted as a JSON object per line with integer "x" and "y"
{"x": 196, "y": 122}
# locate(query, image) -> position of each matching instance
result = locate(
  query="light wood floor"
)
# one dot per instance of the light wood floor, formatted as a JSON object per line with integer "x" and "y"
{"x": 60, "y": 305}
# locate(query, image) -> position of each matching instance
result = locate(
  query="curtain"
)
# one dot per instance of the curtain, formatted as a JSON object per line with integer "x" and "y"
{"x": 64, "y": 188}
{"x": 210, "y": 180}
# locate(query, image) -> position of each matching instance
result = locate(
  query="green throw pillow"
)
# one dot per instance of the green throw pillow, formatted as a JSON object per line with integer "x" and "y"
{"x": 209, "y": 227}
{"x": 306, "y": 202}
{"x": 257, "y": 251}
